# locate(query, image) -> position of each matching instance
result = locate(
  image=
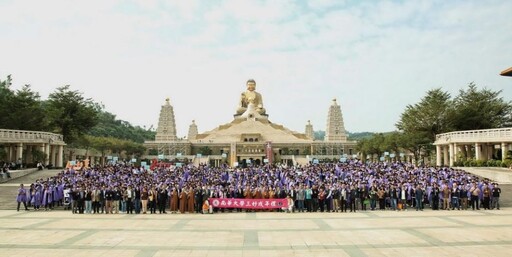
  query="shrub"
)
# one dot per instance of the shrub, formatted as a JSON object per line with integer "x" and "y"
{"x": 480, "y": 163}
{"x": 506, "y": 163}
{"x": 491, "y": 163}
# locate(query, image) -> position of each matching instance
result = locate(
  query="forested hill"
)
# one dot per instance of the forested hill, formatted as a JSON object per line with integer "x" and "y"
{"x": 320, "y": 134}
{"x": 109, "y": 126}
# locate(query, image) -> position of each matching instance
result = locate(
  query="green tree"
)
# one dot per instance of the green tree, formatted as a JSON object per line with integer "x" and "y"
{"x": 429, "y": 117}
{"x": 6, "y": 95}
{"x": 393, "y": 142}
{"x": 109, "y": 126}
{"x": 70, "y": 114}
{"x": 134, "y": 150}
{"x": 374, "y": 145}
{"x": 103, "y": 145}
{"x": 480, "y": 109}
{"x": 25, "y": 111}
{"x": 417, "y": 143}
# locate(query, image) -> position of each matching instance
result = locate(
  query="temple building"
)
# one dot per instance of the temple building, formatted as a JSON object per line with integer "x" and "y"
{"x": 251, "y": 138}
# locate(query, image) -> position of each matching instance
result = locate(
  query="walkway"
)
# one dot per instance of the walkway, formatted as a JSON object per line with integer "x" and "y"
{"x": 379, "y": 233}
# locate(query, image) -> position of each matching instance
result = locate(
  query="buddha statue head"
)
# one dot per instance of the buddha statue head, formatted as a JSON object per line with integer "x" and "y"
{"x": 251, "y": 85}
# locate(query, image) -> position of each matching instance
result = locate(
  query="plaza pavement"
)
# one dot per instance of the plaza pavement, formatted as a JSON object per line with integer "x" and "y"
{"x": 370, "y": 233}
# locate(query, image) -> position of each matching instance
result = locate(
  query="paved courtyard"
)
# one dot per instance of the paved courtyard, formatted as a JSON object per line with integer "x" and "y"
{"x": 379, "y": 233}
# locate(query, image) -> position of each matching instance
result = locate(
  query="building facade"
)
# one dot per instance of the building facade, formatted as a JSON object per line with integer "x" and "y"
{"x": 251, "y": 138}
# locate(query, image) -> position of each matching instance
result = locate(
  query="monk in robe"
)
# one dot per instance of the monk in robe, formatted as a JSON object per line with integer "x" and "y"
{"x": 174, "y": 200}
{"x": 183, "y": 201}
{"x": 247, "y": 193}
{"x": 264, "y": 193}
{"x": 258, "y": 193}
{"x": 190, "y": 199}
{"x": 271, "y": 193}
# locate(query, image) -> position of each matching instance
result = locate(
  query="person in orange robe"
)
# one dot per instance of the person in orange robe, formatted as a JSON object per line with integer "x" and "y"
{"x": 264, "y": 193}
{"x": 190, "y": 199}
{"x": 258, "y": 193}
{"x": 174, "y": 200}
{"x": 183, "y": 201}
{"x": 247, "y": 193}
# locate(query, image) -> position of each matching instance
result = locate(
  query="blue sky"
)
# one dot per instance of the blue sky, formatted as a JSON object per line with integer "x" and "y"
{"x": 375, "y": 57}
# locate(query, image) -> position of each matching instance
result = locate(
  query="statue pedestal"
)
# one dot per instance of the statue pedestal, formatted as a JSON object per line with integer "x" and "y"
{"x": 251, "y": 114}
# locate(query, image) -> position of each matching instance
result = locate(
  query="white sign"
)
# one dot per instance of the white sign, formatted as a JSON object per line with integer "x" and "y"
{"x": 199, "y": 155}
{"x": 115, "y": 159}
{"x": 315, "y": 161}
{"x": 343, "y": 159}
{"x": 386, "y": 153}
{"x": 224, "y": 155}
{"x": 381, "y": 159}
{"x": 248, "y": 161}
{"x": 179, "y": 164}
{"x": 392, "y": 155}
{"x": 265, "y": 160}
{"x": 235, "y": 164}
{"x": 134, "y": 160}
{"x": 160, "y": 156}
{"x": 178, "y": 155}
{"x": 109, "y": 157}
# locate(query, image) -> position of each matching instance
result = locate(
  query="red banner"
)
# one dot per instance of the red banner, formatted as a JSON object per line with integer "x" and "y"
{"x": 269, "y": 152}
{"x": 242, "y": 203}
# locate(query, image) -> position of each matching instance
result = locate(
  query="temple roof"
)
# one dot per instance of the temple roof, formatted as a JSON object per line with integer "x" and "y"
{"x": 232, "y": 132}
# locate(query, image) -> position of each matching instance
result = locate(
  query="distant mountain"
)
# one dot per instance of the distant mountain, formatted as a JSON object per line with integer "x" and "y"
{"x": 360, "y": 135}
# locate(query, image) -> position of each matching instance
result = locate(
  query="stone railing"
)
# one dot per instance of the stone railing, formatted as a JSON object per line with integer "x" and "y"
{"x": 25, "y": 136}
{"x": 475, "y": 136}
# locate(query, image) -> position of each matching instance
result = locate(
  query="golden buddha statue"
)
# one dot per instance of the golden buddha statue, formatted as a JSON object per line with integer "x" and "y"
{"x": 250, "y": 97}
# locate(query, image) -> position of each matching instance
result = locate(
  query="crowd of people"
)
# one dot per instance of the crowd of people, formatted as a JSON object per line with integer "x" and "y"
{"x": 329, "y": 187}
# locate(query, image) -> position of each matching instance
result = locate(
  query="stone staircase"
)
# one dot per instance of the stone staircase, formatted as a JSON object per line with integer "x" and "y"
{"x": 13, "y": 174}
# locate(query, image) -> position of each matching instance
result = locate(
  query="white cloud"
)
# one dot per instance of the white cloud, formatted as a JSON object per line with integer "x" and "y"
{"x": 374, "y": 59}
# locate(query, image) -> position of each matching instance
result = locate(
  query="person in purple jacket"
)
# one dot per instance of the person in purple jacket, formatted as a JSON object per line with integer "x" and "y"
{"x": 22, "y": 197}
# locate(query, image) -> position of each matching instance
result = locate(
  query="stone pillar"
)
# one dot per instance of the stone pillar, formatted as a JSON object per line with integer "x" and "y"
{"x": 10, "y": 153}
{"x": 60, "y": 157}
{"x": 47, "y": 152}
{"x": 438, "y": 155}
{"x": 455, "y": 152}
{"x": 446, "y": 159}
{"x": 451, "y": 151}
{"x": 504, "y": 149}
{"x": 54, "y": 151}
{"x": 19, "y": 152}
{"x": 28, "y": 154}
{"x": 478, "y": 152}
